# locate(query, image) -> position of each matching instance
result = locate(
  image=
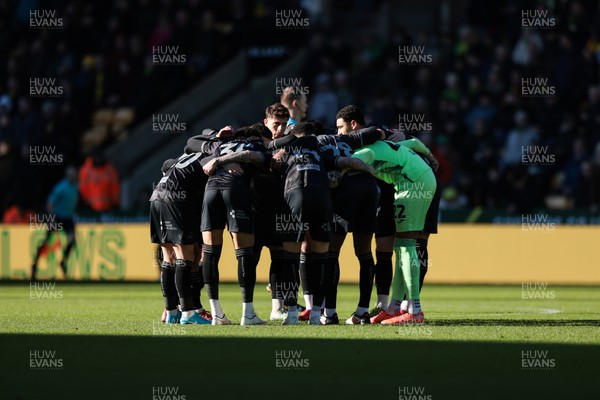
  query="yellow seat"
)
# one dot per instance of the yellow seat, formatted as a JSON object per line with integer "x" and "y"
{"x": 93, "y": 138}
{"x": 103, "y": 117}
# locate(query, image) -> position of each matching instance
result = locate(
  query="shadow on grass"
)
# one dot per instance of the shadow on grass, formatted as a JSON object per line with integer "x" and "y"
{"x": 113, "y": 367}
{"x": 512, "y": 322}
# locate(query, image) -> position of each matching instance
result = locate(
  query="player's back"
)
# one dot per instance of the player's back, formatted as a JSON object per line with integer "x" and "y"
{"x": 305, "y": 165}
{"x": 183, "y": 181}
{"x": 221, "y": 179}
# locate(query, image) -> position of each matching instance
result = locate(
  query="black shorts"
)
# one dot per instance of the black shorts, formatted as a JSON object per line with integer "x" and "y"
{"x": 386, "y": 224}
{"x": 355, "y": 205}
{"x": 308, "y": 210}
{"x": 266, "y": 212}
{"x": 199, "y": 200}
{"x": 431, "y": 219}
{"x": 175, "y": 223}
{"x": 228, "y": 206}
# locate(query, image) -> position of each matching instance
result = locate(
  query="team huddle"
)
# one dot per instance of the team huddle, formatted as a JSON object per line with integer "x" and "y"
{"x": 297, "y": 189}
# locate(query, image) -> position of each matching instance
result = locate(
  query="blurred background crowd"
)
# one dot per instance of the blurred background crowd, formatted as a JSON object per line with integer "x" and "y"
{"x": 470, "y": 93}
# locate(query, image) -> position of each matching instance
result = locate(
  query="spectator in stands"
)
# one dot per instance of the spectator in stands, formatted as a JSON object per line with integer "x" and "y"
{"x": 452, "y": 199}
{"x": 521, "y": 136}
{"x": 594, "y": 174}
{"x": 575, "y": 183}
{"x": 99, "y": 183}
{"x": 324, "y": 102}
{"x": 527, "y": 48}
{"x": 483, "y": 112}
{"x": 7, "y": 158}
{"x": 16, "y": 214}
{"x": 103, "y": 57}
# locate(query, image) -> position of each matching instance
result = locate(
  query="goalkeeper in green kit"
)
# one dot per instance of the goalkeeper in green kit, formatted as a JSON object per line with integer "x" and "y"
{"x": 414, "y": 184}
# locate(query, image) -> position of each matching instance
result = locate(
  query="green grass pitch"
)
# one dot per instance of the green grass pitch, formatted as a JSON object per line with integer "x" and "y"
{"x": 105, "y": 341}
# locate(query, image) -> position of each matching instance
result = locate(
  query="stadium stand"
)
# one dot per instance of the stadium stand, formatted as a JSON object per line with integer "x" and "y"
{"x": 470, "y": 94}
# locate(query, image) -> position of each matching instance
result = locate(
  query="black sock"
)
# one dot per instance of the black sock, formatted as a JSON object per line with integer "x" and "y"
{"x": 67, "y": 252}
{"x": 383, "y": 272}
{"x": 275, "y": 272}
{"x": 167, "y": 285}
{"x": 183, "y": 283}
{"x": 257, "y": 251}
{"x": 210, "y": 269}
{"x": 331, "y": 278}
{"x": 197, "y": 285}
{"x": 38, "y": 253}
{"x": 246, "y": 272}
{"x": 316, "y": 276}
{"x": 68, "y": 249}
{"x": 367, "y": 268}
{"x": 423, "y": 260}
{"x": 289, "y": 284}
{"x": 305, "y": 265}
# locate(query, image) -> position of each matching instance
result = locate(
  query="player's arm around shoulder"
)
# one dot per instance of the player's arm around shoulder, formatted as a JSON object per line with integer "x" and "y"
{"x": 419, "y": 147}
{"x": 345, "y": 163}
{"x": 366, "y": 154}
{"x": 278, "y": 162}
{"x": 247, "y": 156}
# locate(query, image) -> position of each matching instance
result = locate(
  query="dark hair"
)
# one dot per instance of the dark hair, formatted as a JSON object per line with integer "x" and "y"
{"x": 277, "y": 110}
{"x": 303, "y": 129}
{"x": 318, "y": 127}
{"x": 168, "y": 164}
{"x": 350, "y": 113}
{"x": 266, "y": 133}
{"x": 250, "y": 132}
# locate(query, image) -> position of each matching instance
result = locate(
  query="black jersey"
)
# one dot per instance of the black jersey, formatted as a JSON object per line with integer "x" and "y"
{"x": 345, "y": 145}
{"x": 304, "y": 165}
{"x": 204, "y": 144}
{"x": 222, "y": 179}
{"x": 183, "y": 182}
{"x": 266, "y": 184}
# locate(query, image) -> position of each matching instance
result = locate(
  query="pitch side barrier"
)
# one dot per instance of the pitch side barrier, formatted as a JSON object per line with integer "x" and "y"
{"x": 460, "y": 253}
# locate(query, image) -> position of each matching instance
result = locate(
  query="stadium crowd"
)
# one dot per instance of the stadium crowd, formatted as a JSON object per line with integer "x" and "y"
{"x": 470, "y": 93}
{"x": 101, "y": 57}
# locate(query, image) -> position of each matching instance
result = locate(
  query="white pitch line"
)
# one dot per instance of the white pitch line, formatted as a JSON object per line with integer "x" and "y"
{"x": 540, "y": 311}
{"x": 549, "y": 311}
{"x": 523, "y": 312}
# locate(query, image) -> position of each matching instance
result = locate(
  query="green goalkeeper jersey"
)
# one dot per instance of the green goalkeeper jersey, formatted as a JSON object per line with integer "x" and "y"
{"x": 393, "y": 163}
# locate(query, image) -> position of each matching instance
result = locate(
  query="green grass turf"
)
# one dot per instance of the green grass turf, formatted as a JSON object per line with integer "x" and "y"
{"x": 112, "y": 346}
